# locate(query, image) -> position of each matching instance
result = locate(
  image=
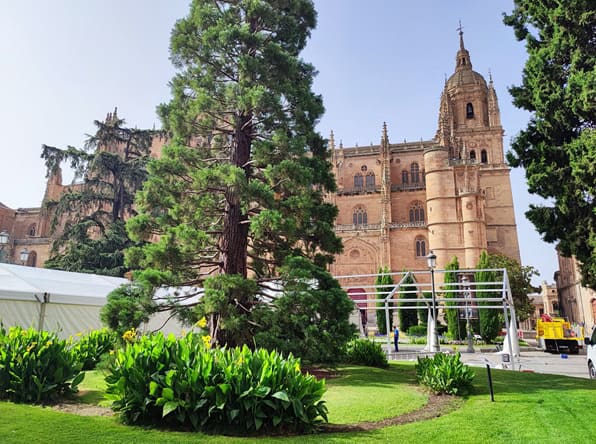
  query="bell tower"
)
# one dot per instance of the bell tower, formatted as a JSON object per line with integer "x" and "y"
{"x": 472, "y": 176}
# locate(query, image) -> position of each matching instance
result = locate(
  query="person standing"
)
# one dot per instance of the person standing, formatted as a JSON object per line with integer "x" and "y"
{"x": 396, "y": 338}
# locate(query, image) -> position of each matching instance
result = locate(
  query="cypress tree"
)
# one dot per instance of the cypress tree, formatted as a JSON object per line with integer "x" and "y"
{"x": 381, "y": 282}
{"x": 452, "y": 314}
{"x": 490, "y": 319}
{"x": 408, "y": 295}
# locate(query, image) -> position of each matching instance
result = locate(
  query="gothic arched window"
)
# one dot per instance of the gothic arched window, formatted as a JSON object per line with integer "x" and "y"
{"x": 420, "y": 247}
{"x": 370, "y": 181}
{"x": 360, "y": 217}
{"x": 404, "y": 177}
{"x": 472, "y": 155}
{"x": 469, "y": 111}
{"x": 358, "y": 181}
{"x": 415, "y": 173}
{"x": 416, "y": 212}
{"x": 483, "y": 156}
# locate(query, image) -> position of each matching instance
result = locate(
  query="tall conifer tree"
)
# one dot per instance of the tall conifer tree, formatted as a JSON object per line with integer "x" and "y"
{"x": 240, "y": 187}
{"x": 452, "y": 314}
{"x": 90, "y": 217}
{"x": 408, "y": 317}
{"x": 558, "y": 147}
{"x": 383, "y": 279}
{"x": 490, "y": 319}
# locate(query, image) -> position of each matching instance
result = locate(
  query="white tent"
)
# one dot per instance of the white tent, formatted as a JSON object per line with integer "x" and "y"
{"x": 60, "y": 301}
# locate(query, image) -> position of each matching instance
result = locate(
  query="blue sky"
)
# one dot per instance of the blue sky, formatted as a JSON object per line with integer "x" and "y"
{"x": 69, "y": 62}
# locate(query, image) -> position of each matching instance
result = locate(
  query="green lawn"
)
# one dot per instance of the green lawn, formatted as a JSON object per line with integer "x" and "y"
{"x": 529, "y": 408}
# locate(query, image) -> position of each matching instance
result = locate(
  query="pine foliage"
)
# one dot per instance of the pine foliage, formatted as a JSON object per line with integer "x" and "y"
{"x": 558, "y": 147}
{"x": 89, "y": 218}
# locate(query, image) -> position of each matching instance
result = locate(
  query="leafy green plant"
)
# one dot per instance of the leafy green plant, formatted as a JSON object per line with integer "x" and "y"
{"x": 184, "y": 383}
{"x": 36, "y": 366}
{"x": 365, "y": 352}
{"x": 418, "y": 340}
{"x": 417, "y": 330}
{"x": 90, "y": 348}
{"x": 444, "y": 374}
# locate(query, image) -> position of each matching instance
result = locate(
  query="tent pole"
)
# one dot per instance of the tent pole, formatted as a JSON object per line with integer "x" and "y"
{"x": 42, "y": 311}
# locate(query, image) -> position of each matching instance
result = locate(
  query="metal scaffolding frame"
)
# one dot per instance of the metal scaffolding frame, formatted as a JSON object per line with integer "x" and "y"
{"x": 461, "y": 294}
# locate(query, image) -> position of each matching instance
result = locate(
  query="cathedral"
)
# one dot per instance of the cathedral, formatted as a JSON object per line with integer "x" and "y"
{"x": 450, "y": 194}
{"x": 397, "y": 201}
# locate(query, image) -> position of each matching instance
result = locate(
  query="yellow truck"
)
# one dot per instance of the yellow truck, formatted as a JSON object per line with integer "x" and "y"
{"x": 557, "y": 335}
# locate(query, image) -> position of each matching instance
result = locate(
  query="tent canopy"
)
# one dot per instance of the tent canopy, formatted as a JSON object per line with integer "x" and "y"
{"x": 63, "y": 287}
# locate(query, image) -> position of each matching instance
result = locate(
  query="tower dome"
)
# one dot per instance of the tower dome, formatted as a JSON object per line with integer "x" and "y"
{"x": 464, "y": 75}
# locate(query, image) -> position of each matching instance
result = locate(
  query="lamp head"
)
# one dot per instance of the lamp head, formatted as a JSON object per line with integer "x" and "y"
{"x": 24, "y": 255}
{"x": 4, "y": 237}
{"x": 431, "y": 260}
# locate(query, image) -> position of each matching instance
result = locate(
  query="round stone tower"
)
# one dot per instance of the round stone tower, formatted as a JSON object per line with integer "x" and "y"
{"x": 469, "y": 200}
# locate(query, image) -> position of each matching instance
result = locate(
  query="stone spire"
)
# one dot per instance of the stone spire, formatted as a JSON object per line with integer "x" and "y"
{"x": 462, "y": 60}
{"x": 332, "y": 146}
{"x": 385, "y": 199}
{"x": 385, "y": 141}
{"x": 494, "y": 114}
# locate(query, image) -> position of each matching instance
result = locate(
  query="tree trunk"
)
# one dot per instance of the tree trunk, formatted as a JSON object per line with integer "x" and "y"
{"x": 234, "y": 241}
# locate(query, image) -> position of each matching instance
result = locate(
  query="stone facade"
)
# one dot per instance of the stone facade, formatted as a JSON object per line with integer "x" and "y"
{"x": 451, "y": 194}
{"x": 547, "y": 301}
{"x": 577, "y": 303}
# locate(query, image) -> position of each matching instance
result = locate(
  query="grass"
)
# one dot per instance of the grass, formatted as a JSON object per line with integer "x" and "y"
{"x": 529, "y": 408}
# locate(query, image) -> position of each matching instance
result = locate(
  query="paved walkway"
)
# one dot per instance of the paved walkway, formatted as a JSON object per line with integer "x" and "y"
{"x": 530, "y": 359}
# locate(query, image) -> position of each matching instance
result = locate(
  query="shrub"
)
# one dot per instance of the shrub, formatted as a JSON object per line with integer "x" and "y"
{"x": 417, "y": 330}
{"x": 444, "y": 374}
{"x": 310, "y": 319}
{"x": 184, "y": 383}
{"x": 89, "y": 349}
{"x": 127, "y": 307}
{"x": 36, "y": 366}
{"x": 365, "y": 352}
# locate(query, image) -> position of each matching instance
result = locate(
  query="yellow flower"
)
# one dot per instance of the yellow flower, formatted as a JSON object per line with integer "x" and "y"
{"x": 206, "y": 341}
{"x": 79, "y": 334}
{"x": 130, "y": 335}
{"x": 49, "y": 343}
{"x": 202, "y": 323}
{"x": 297, "y": 367}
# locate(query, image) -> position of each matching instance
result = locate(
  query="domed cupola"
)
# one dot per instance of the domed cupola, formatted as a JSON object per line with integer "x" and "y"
{"x": 464, "y": 75}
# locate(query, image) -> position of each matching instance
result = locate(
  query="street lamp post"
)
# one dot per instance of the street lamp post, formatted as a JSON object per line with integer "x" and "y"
{"x": 24, "y": 256}
{"x": 466, "y": 286}
{"x": 3, "y": 243}
{"x": 431, "y": 260}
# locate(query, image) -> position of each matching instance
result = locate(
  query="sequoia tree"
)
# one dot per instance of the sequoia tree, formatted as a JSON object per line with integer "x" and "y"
{"x": 240, "y": 187}
{"x": 89, "y": 218}
{"x": 558, "y": 147}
